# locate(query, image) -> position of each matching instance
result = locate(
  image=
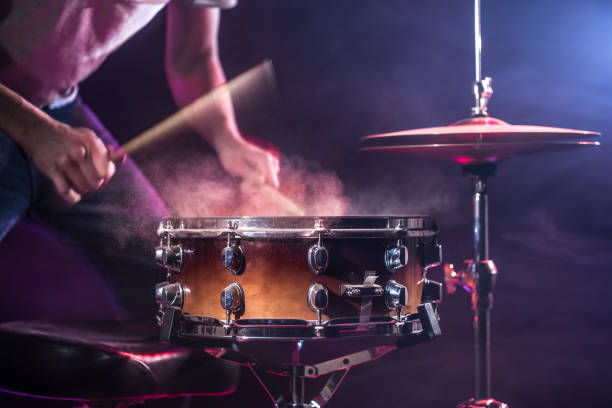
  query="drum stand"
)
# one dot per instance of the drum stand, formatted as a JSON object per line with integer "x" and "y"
{"x": 479, "y": 279}
{"x": 265, "y": 371}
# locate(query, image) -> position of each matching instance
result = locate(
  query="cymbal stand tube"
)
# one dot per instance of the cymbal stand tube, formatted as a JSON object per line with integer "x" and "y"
{"x": 484, "y": 277}
{"x": 482, "y": 346}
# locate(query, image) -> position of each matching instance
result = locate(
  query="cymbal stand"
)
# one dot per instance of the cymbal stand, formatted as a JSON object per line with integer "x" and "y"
{"x": 481, "y": 270}
{"x": 479, "y": 277}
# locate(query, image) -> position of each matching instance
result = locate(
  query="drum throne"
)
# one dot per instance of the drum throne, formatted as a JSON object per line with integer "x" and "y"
{"x": 51, "y": 349}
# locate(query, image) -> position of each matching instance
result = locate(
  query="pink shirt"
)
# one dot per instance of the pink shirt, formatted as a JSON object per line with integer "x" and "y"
{"x": 48, "y": 46}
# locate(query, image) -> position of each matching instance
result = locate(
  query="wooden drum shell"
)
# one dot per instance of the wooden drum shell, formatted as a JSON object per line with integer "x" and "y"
{"x": 277, "y": 276}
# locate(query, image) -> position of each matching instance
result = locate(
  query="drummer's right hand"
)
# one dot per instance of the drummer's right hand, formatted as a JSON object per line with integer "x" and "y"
{"x": 75, "y": 159}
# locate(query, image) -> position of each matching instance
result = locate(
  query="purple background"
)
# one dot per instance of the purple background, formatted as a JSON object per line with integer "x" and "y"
{"x": 346, "y": 69}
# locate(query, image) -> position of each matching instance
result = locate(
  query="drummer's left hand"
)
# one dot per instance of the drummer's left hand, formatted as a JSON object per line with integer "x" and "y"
{"x": 241, "y": 158}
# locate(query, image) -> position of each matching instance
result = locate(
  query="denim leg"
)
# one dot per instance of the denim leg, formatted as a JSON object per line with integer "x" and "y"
{"x": 114, "y": 227}
{"x": 16, "y": 188}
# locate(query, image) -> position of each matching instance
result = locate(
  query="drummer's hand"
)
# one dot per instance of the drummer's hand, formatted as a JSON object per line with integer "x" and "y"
{"x": 244, "y": 159}
{"x": 75, "y": 159}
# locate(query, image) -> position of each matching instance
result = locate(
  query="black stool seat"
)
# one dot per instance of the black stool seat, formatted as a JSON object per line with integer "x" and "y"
{"x": 105, "y": 361}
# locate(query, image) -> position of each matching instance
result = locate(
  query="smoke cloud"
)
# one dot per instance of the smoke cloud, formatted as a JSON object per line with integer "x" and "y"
{"x": 200, "y": 187}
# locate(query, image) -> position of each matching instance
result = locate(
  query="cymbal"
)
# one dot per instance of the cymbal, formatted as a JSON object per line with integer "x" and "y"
{"x": 479, "y": 139}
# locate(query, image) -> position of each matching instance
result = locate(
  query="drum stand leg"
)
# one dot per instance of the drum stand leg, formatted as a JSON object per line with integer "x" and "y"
{"x": 297, "y": 389}
{"x": 265, "y": 371}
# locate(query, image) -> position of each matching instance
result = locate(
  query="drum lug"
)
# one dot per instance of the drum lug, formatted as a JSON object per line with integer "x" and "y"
{"x": 318, "y": 259}
{"x": 396, "y": 297}
{"x": 396, "y": 256}
{"x": 318, "y": 255}
{"x": 432, "y": 292}
{"x": 232, "y": 300}
{"x": 158, "y": 300}
{"x": 172, "y": 295}
{"x": 431, "y": 256}
{"x": 317, "y": 299}
{"x": 171, "y": 302}
{"x": 232, "y": 257}
{"x": 170, "y": 257}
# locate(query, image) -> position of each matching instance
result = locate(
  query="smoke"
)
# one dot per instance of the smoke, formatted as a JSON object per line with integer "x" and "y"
{"x": 200, "y": 187}
{"x": 414, "y": 190}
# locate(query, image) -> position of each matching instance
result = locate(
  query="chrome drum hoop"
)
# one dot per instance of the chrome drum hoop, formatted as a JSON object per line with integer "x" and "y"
{"x": 202, "y": 328}
{"x": 299, "y": 227}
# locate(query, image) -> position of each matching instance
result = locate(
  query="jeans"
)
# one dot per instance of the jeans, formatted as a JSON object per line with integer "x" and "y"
{"x": 115, "y": 228}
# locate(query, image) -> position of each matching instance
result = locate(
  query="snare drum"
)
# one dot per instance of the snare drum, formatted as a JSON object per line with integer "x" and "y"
{"x": 287, "y": 277}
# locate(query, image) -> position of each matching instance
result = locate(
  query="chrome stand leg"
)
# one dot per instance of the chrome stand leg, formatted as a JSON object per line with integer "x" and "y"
{"x": 296, "y": 387}
{"x": 265, "y": 369}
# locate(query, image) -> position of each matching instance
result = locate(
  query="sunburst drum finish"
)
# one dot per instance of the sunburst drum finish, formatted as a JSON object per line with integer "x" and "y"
{"x": 277, "y": 276}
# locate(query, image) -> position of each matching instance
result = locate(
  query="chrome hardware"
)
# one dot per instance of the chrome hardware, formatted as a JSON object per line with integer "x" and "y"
{"x": 158, "y": 291}
{"x": 396, "y": 256}
{"x": 303, "y": 227}
{"x": 475, "y": 275}
{"x": 317, "y": 299}
{"x": 171, "y": 303}
{"x": 432, "y": 292}
{"x": 464, "y": 278}
{"x": 431, "y": 256}
{"x": 396, "y": 297}
{"x": 170, "y": 257}
{"x": 172, "y": 295}
{"x": 232, "y": 300}
{"x": 359, "y": 291}
{"x": 233, "y": 259}
{"x": 158, "y": 300}
{"x": 318, "y": 258}
{"x": 483, "y": 90}
{"x": 483, "y": 403}
{"x": 429, "y": 320}
{"x": 170, "y": 317}
{"x": 232, "y": 256}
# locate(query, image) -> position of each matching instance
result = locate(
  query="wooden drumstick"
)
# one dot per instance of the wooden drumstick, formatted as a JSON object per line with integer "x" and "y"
{"x": 177, "y": 121}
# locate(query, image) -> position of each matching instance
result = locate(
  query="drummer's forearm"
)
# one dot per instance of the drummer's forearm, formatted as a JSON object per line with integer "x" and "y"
{"x": 217, "y": 121}
{"x": 193, "y": 69}
{"x": 19, "y": 119}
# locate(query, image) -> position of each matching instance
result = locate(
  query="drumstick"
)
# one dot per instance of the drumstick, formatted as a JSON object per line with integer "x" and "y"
{"x": 242, "y": 82}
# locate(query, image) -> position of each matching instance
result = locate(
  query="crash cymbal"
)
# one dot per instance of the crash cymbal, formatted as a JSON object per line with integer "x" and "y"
{"x": 479, "y": 139}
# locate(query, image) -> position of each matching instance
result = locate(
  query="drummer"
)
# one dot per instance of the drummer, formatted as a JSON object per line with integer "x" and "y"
{"x": 55, "y": 153}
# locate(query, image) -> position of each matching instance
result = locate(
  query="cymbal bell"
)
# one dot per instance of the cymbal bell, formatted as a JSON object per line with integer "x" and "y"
{"x": 479, "y": 139}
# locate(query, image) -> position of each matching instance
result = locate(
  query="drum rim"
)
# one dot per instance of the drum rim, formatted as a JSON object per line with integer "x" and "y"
{"x": 299, "y": 227}
{"x": 202, "y": 327}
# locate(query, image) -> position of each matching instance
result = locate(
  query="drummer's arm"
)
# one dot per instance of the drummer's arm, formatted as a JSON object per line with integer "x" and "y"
{"x": 193, "y": 68}
{"x": 74, "y": 159}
